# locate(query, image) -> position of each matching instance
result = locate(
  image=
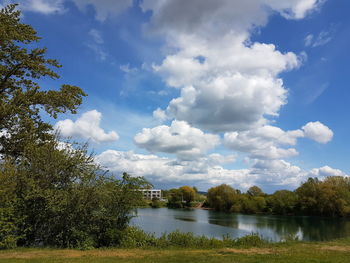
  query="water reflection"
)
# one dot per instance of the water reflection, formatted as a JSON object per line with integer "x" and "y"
{"x": 216, "y": 224}
{"x": 185, "y": 219}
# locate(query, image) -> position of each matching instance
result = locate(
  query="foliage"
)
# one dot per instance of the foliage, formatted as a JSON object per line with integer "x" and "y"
{"x": 255, "y": 191}
{"x": 22, "y": 100}
{"x": 330, "y": 197}
{"x": 222, "y": 197}
{"x": 61, "y": 198}
{"x": 51, "y": 193}
{"x": 282, "y": 202}
{"x": 156, "y": 203}
{"x": 181, "y": 197}
{"x": 188, "y": 194}
{"x": 134, "y": 237}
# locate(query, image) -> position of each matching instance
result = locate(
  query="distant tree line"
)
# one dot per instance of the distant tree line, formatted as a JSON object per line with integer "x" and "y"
{"x": 329, "y": 197}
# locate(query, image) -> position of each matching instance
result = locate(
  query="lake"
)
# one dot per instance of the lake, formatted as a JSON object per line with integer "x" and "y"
{"x": 217, "y": 224}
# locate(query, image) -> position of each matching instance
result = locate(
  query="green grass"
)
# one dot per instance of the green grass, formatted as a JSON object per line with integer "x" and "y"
{"x": 293, "y": 252}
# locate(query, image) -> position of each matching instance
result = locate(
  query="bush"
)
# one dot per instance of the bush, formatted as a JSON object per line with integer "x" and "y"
{"x": 252, "y": 240}
{"x": 134, "y": 237}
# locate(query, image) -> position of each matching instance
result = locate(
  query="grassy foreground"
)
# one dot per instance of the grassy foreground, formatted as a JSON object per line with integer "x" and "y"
{"x": 293, "y": 252}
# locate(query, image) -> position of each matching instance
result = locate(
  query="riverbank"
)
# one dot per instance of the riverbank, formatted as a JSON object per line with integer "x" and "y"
{"x": 337, "y": 251}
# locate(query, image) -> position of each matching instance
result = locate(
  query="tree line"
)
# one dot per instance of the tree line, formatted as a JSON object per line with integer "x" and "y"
{"x": 184, "y": 196}
{"x": 51, "y": 192}
{"x": 328, "y": 197}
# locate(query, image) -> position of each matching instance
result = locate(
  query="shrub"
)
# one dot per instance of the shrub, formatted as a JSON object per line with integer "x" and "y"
{"x": 252, "y": 240}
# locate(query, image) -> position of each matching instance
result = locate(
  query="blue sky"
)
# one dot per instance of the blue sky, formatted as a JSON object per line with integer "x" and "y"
{"x": 205, "y": 92}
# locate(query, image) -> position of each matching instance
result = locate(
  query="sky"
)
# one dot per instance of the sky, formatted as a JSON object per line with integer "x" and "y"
{"x": 204, "y": 92}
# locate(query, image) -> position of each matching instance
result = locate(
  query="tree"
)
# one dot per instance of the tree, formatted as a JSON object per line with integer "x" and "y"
{"x": 308, "y": 194}
{"x": 222, "y": 197}
{"x": 21, "y": 97}
{"x": 282, "y": 202}
{"x": 175, "y": 198}
{"x": 188, "y": 194}
{"x": 61, "y": 198}
{"x": 255, "y": 191}
{"x": 49, "y": 194}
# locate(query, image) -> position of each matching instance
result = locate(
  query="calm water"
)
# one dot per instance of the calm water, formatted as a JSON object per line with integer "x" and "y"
{"x": 216, "y": 224}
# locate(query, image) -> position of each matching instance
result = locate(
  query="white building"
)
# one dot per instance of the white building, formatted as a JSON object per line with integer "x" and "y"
{"x": 152, "y": 193}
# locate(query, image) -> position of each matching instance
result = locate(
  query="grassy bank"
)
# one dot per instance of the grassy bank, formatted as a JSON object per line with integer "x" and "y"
{"x": 291, "y": 252}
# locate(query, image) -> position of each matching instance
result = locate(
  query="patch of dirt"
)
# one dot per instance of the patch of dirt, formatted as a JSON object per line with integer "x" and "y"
{"x": 337, "y": 248}
{"x": 249, "y": 251}
{"x": 76, "y": 254}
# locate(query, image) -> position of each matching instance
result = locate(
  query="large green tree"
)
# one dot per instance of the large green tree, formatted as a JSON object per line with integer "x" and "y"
{"x": 51, "y": 193}
{"x": 21, "y": 98}
{"x": 59, "y": 197}
{"x": 222, "y": 197}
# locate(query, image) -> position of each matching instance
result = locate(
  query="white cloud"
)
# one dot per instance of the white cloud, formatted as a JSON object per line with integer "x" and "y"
{"x": 87, "y": 127}
{"x": 326, "y": 171}
{"x": 278, "y": 172}
{"x": 318, "y": 132}
{"x": 159, "y": 115}
{"x": 98, "y": 50}
{"x": 40, "y": 6}
{"x": 96, "y": 44}
{"x": 209, "y": 171}
{"x": 207, "y": 17}
{"x": 308, "y": 40}
{"x": 127, "y": 69}
{"x": 294, "y": 9}
{"x": 227, "y": 83}
{"x": 105, "y": 8}
{"x": 321, "y": 39}
{"x": 157, "y": 169}
{"x": 232, "y": 90}
{"x": 96, "y": 35}
{"x": 264, "y": 142}
{"x": 179, "y": 138}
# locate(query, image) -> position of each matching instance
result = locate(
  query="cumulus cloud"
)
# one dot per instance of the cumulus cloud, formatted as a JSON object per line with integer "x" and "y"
{"x": 232, "y": 90}
{"x": 227, "y": 83}
{"x": 87, "y": 127}
{"x": 326, "y": 171}
{"x": 104, "y": 8}
{"x": 159, "y": 115}
{"x": 179, "y": 138}
{"x": 206, "y": 17}
{"x": 318, "y": 132}
{"x": 266, "y": 142}
{"x": 278, "y": 172}
{"x": 209, "y": 171}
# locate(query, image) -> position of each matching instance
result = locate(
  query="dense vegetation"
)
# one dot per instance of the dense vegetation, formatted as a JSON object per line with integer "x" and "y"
{"x": 51, "y": 192}
{"x": 185, "y": 196}
{"x": 137, "y": 238}
{"x": 329, "y": 197}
